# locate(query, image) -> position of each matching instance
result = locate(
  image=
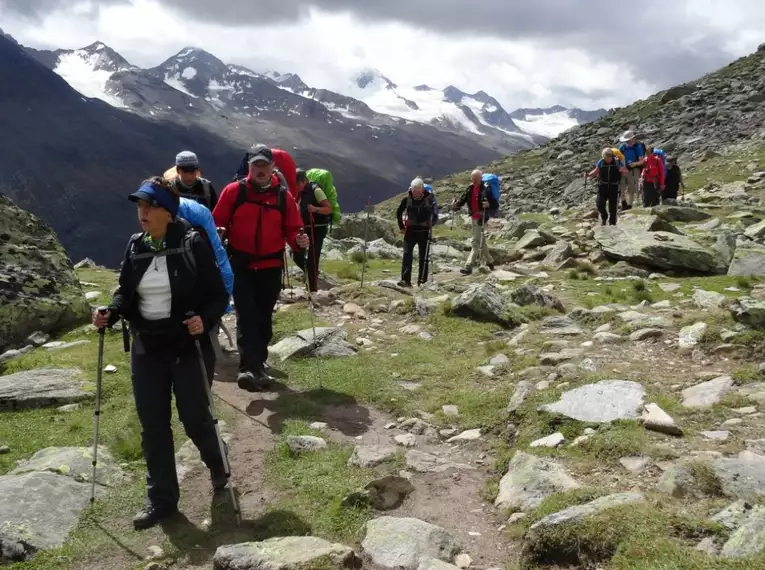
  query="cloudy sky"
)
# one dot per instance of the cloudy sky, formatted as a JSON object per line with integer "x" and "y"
{"x": 531, "y": 53}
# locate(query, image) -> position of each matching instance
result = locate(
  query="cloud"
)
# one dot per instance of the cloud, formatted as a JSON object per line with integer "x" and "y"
{"x": 582, "y": 53}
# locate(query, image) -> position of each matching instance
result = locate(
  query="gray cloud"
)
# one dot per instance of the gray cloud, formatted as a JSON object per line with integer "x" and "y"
{"x": 37, "y": 9}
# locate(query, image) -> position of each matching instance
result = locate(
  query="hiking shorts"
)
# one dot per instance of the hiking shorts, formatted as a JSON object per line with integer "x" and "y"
{"x": 631, "y": 184}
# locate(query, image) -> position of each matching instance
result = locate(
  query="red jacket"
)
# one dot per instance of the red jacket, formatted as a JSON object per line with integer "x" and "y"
{"x": 653, "y": 171}
{"x": 285, "y": 163}
{"x": 244, "y": 232}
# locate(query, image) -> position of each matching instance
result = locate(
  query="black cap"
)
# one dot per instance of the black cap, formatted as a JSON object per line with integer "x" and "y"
{"x": 261, "y": 152}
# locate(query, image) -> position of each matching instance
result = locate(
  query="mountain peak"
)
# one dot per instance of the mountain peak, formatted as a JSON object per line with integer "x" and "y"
{"x": 373, "y": 78}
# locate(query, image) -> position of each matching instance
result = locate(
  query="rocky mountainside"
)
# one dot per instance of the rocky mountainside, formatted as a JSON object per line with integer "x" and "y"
{"x": 715, "y": 126}
{"x": 39, "y": 292}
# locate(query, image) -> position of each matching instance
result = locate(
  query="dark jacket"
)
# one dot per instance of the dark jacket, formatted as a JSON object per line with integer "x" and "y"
{"x": 484, "y": 194}
{"x": 609, "y": 174}
{"x": 672, "y": 182}
{"x": 202, "y": 191}
{"x": 419, "y": 213}
{"x": 308, "y": 198}
{"x": 201, "y": 292}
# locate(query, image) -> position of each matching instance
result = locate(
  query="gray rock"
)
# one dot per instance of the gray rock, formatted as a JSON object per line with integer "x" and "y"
{"x": 755, "y": 231}
{"x": 748, "y": 311}
{"x": 756, "y": 446}
{"x": 691, "y": 335}
{"x": 680, "y": 214}
{"x": 38, "y": 338}
{"x": 406, "y": 440}
{"x": 433, "y": 564}
{"x": 580, "y": 512}
{"x": 382, "y": 494}
{"x": 660, "y": 250}
{"x": 707, "y": 546}
{"x": 522, "y": 390}
{"x": 60, "y": 345}
{"x": 559, "y": 253}
{"x": 742, "y": 477}
{"x": 656, "y": 419}
{"x": 368, "y": 456}
{"x": 39, "y": 510}
{"x": 9, "y": 354}
{"x": 74, "y": 462}
{"x": 748, "y": 540}
{"x": 286, "y": 553}
{"x": 518, "y": 228}
{"x": 43, "y": 387}
{"x": 603, "y": 402}
{"x": 425, "y": 306}
{"x": 482, "y": 302}
{"x": 645, "y": 334}
{"x": 719, "y": 435}
{"x": 677, "y": 481}
{"x": 529, "y": 479}
{"x": 533, "y": 239}
{"x": 555, "y": 358}
{"x": 404, "y": 543}
{"x": 468, "y": 435}
{"x": 377, "y": 249}
{"x": 637, "y": 320}
{"x": 303, "y": 443}
{"x": 330, "y": 342}
{"x": 707, "y": 394}
{"x": 748, "y": 260}
{"x": 735, "y": 515}
{"x": 499, "y": 360}
{"x": 607, "y": 338}
{"x": 635, "y": 464}
{"x": 551, "y": 441}
{"x": 530, "y": 295}
{"x": 709, "y": 299}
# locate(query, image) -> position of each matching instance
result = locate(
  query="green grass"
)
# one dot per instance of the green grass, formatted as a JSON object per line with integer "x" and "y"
{"x": 350, "y": 271}
{"x": 723, "y": 169}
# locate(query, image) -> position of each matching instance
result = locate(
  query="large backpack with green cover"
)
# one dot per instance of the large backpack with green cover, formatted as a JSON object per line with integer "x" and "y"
{"x": 324, "y": 179}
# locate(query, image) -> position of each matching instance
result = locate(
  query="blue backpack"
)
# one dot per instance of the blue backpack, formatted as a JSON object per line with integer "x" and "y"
{"x": 429, "y": 190}
{"x": 663, "y": 155}
{"x": 493, "y": 182}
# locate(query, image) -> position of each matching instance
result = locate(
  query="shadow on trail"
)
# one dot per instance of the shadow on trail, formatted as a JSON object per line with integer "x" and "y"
{"x": 199, "y": 545}
{"x": 339, "y": 411}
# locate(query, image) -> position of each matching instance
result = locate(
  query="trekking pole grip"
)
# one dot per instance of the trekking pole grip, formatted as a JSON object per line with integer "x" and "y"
{"x": 102, "y": 310}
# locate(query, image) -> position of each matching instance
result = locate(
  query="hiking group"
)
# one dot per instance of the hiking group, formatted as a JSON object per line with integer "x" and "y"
{"x": 631, "y": 170}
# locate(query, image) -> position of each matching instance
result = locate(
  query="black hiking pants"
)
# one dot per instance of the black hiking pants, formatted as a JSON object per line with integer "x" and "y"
{"x": 255, "y": 296}
{"x": 316, "y": 235}
{"x": 651, "y": 195}
{"x": 156, "y": 376}
{"x": 415, "y": 237}
{"x": 608, "y": 196}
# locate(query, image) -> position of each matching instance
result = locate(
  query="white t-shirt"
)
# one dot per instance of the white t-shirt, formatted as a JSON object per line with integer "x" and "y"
{"x": 154, "y": 295}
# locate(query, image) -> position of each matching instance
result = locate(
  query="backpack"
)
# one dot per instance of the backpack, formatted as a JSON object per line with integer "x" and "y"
{"x": 433, "y": 204}
{"x": 324, "y": 179}
{"x": 663, "y": 155}
{"x": 172, "y": 176}
{"x": 284, "y": 167}
{"x": 492, "y": 181}
{"x": 623, "y": 146}
{"x": 186, "y": 248}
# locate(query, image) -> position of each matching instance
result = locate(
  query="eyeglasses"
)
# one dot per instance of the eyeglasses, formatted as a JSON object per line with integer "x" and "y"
{"x": 188, "y": 169}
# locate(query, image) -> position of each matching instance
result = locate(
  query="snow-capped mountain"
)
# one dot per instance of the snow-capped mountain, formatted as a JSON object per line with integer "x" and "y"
{"x": 553, "y": 121}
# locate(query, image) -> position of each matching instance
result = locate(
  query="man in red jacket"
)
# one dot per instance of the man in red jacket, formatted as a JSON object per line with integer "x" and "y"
{"x": 259, "y": 215}
{"x": 653, "y": 179}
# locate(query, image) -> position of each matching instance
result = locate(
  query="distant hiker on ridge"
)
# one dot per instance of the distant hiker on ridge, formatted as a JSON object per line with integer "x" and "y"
{"x": 259, "y": 215}
{"x": 420, "y": 210}
{"x": 317, "y": 213}
{"x": 189, "y": 182}
{"x": 479, "y": 200}
{"x": 634, "y": 159}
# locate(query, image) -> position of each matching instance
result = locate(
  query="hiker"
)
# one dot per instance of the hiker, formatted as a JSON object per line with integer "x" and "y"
{"x": 673, "y": 182}
{"x": 259, "y": 215}
{"x": 317, "y": 213}
{"x": 609, "y": 172}
{"x": 419, "y": 207}
{"x": 634, "y": 153}
{"x": 479, "y": 200}
{"x": 157, "y": 292}
{"x": 189, "y": 181}
{"x": 653, "y": 178}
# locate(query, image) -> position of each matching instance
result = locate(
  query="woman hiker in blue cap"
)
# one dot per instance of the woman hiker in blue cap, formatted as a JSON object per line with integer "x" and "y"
{"x": 169, "y": 302}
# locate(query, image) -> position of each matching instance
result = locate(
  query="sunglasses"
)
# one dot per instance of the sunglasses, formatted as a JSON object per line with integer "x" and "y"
{"x": 188, "y": 169}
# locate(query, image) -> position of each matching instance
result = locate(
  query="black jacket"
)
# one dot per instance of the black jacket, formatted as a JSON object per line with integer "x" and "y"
{"x": 419, "y": 213}
{"x": 308, "y": 197}
{"x": 202, "y": 191}
{"x": 485, "y": 194}
{"x": 609, "y": 175}
{"x": 201, "y": 291}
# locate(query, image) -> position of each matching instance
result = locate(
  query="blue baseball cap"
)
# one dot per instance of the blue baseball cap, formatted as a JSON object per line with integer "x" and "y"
{"x": 156, "y": 196}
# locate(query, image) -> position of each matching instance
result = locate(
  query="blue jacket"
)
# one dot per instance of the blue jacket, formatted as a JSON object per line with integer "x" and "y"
{"x": 199, "y": 216}
{"x": 632, "y": 153}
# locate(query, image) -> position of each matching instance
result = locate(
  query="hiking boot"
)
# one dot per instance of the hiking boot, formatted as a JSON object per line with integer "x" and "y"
{"x": 624, "y": 205}
{"x": 466, "y": 270}
{"x": 249, "y": 382}
{"x": 491, "y": 266}
{"x": 150, "y": 515}
{"x": 403, "y": 283}
{"x": 218, "y": 478}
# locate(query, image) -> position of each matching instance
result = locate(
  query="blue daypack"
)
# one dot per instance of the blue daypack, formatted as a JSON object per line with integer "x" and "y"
{"x": 493, "y": 182}
{"x": 429, "y": 190}
{"x": 663, "y": 155}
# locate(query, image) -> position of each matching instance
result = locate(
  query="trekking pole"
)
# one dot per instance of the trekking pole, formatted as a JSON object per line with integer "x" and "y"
{"x": 97, "y": 411}
{"x": 483, "y": 229}
{"x": 423, "y": 278}
{"x": 221, "y": 444}
{"x": 228, "y": 334}
{"x": 125, "y": 337}
{"x": 369, "y": 209}
{"x": 311, "y": 307}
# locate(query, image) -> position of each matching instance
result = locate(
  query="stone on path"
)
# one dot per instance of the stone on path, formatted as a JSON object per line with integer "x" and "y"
{"x": 406, "y": 440}
{"x": 37, "y": 512}
{"x": 368, "y": 456}
{"x": 709, "y": 299}
{"x": 579, "y": 512}
{"x": 530, "y": 295}
{"x": 551, "y": 441}
{"x": 404, "y": 543}
{"x": 749, "y": 539}
{"x": 303, "y": 443}
{"x": 635, "y": 464}
{"x": 422, "y": 462}
{"x": 529, "y": 479}
{"x": 74, "y": 462}
{"x": 468, "y": 435}
{"x": 645, "y": 334}
{"x": 605, "y": 401}
{"x": 691, "y": 335}
{"x": 742, "y": 477}
{"x": 330, "y": 341}
{"x": 707, "y": 394}
{"x": 43, "y": 387}
{"x": 482, "y": 302}
{"x": 286, "y": 553}
{"x": 522, "y": 390}
{"x": 656, "y": 419}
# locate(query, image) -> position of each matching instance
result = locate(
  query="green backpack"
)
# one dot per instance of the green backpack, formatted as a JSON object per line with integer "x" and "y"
{"x": 324, "y": 179}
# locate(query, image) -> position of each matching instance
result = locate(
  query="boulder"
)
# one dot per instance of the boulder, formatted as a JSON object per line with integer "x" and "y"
{"x": 38, "y": 286}
{"x": 518, "y": 228}
{"x": 559, "y": 253}
{"x": 482, "y": 302}
{"x": 39, "y": 510}
{"x": 330, "y": 342}
{"x": 361, "y": 225}
{"x": 303, "y": 443}
{"x": 659, "y": 250}
{"x": 74, "y": 462}
{"x": 709, "y": 299}
{"x": 748, "y": 311}
{"x": 529, "y": 479}
{"x": 368, "y": 456}
{"x": 530, "y": 295}
{"x": 707, "y": 394}
{"x": 748, "y": 260}
{"x": 649, "y": 224}
{"x": 580, "y": 512}
{"x": 603, "y": 402}
{"x": 749, "y": 539}
{"x": 656, "y": 419}
{"x": 377, "y": 249}
{"x": 691, "y": 335}
{"x": 43, "y": 387}
{"x": 533, "y": 239}
{"x": 404, "y": 543}
{"x": 742, "y": 477}
{"x": 680, "y": 214}
{"x": 286, "y": 553}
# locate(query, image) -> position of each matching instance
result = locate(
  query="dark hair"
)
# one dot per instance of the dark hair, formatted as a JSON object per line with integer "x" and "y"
{"x": 300, "y": 175}
{"x": 164, "y": 183}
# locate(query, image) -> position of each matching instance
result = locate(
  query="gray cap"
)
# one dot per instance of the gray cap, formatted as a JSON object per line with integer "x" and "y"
{"x": 186, "y": 158}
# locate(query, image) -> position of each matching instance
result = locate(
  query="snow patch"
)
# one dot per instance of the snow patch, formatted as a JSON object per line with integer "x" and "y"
{"x": 78, "y": 70}
{"x": 189, "y": 73}
{"x": 548, "y": 125}
{"x": 175, "y": 82}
